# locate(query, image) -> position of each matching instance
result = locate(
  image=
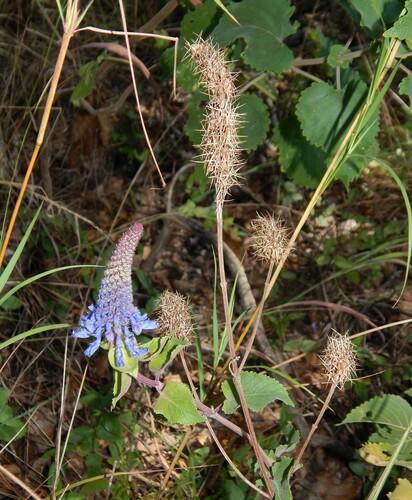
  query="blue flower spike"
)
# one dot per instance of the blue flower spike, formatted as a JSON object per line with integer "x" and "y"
{"x": 115, "y": 318}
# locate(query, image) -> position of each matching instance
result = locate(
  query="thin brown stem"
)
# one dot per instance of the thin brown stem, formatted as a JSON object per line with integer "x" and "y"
{"x": 257, "y": 321}
{"x": 314, "y": 427}
{"x": 234, "y": 365}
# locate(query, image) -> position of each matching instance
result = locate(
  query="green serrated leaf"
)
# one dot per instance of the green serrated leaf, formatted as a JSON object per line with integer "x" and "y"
{"x": 374, "y": 15}
{"x": 280, "y": 475}
{"x": 264, "y": 24}
{"x": 390, "y": 410}
{"x": 255, "y": 121}
{"x": 177, "y": 405}
{"x": 335, "y": 58}
{"x": 259, "y": 390}
{"x": 402, "y": 29}
{"x": 392, "y": 417}
{"x": 326, "y": 113}
{"x": 405, "y": 87}
{"x": 122, "y": 382}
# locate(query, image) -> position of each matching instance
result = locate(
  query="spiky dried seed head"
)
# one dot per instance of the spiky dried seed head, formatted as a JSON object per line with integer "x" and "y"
{"x": 209, "y": 61}
{"x": 175, "y": 315}
{"x": 220, "y": 143}
{"x": 270, "y": 238}
{"x": 339, "y": 359}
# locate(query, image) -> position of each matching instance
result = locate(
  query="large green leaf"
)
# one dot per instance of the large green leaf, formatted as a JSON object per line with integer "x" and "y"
{"x": 177, "y": 405}
{"x": 169, "y": 351}
{"x": 326, "y": 114}
{"x": 390, "y": 410}
{"x": 259, "y": 390}
{"x": 264, "y": 24}
{"x": 255, "y": 121}
{"x": 197, "y": 21}
{"x": 304, "y": 163}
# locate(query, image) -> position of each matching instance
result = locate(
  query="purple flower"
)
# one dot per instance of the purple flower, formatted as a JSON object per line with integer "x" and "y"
{"x": 114, "y": 317}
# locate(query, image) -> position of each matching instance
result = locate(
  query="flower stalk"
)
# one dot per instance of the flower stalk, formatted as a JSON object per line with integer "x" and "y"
{"x": 115, "y": 320}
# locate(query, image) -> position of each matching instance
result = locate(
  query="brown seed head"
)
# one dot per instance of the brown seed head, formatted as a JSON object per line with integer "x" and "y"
{"x": 269, "y": 238}
{"x": 220, "y": 143}
{"x": 174, "y": 315}
{"x": 339, "y": 359}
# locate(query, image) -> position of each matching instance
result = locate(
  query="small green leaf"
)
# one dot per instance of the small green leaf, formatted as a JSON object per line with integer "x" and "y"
{"x": 177, "y": 405}
{"x": 93, "y": 462}
{"x": 335, "y": 58}
{"x": 85, "y": 86}
{"x": 259, "y": 390}
{"x": 131, "y": 364}
{"x": 405, "y": 87}
{"x": 264, "y": 24}
{"x": 11, "y": 304}
{"x": 10, "y": 426}
{"x": 122, "y": 382}
{"x": 255, "y": 121}
{"x": 92, "y": 487}
{"x": 171, "y": 349}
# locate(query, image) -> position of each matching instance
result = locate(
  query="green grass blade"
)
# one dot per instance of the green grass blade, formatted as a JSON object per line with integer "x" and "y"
{"x": 38, "y": 277}
{"x": 409, "y": 213}
{"x": 34, "y": 331}
{"x": 13, "y": 261}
